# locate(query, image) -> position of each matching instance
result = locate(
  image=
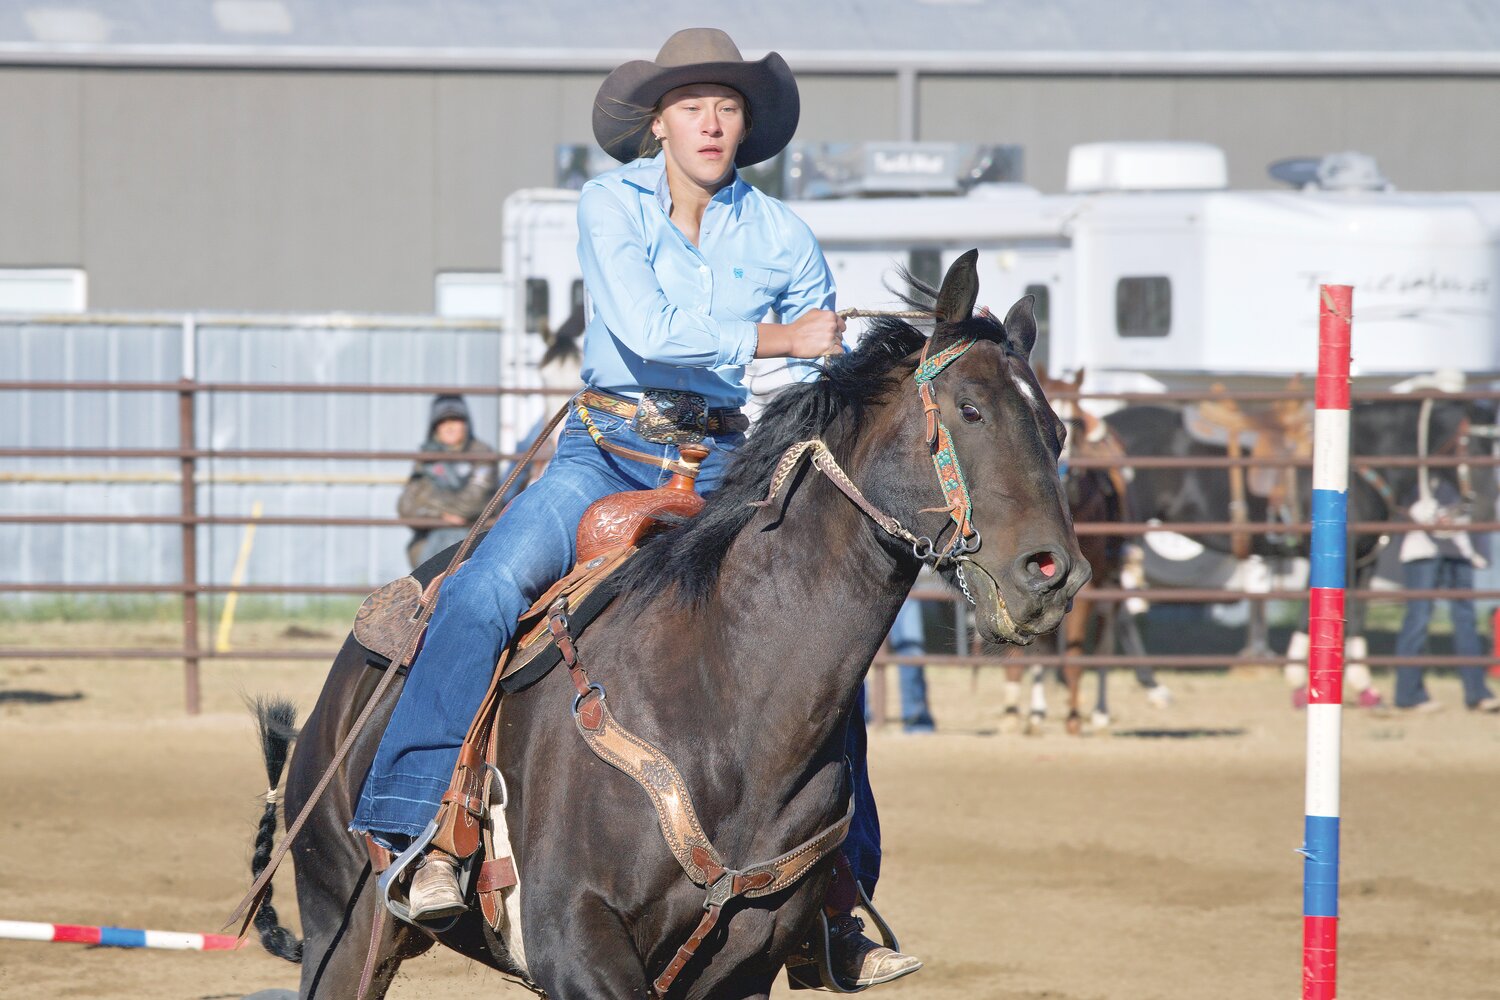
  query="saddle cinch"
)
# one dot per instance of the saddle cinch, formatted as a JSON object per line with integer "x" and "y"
{"x": 471, "y": 816}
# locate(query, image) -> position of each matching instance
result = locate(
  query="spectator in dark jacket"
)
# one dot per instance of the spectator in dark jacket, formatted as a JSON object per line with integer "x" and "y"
{"x": 453, "y": 490}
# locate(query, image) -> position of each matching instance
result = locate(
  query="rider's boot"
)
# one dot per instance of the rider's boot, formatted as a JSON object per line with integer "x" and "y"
{"x": 853, "y": 958}
{"x": 858, "y": 961}
{"x": 434, "y": 892}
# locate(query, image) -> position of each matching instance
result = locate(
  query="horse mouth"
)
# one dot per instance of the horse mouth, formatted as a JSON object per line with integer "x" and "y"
{"x": 993, "y": 616}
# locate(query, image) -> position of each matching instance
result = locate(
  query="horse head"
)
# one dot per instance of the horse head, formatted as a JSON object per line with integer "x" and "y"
{"x": 1003, "y": 441}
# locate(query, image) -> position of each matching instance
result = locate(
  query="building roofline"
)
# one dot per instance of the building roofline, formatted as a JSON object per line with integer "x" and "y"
{"x": 937, "y": 63}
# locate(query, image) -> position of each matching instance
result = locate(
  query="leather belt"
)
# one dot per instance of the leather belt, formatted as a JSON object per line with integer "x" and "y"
{"x": 721, "y": 419}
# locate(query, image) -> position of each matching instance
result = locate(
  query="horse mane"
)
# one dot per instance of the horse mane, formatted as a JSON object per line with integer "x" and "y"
{"x": 684, "y": 560}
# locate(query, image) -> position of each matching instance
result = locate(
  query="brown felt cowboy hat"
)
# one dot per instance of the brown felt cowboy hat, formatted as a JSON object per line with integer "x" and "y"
{"x": 698, "y": 55}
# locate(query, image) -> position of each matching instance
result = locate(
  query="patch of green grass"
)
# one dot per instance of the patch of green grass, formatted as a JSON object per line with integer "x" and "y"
{"x": 320, "y": 609}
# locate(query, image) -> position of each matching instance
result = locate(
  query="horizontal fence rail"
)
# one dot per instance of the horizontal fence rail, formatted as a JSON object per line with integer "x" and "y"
{"x": 189, "y": 472}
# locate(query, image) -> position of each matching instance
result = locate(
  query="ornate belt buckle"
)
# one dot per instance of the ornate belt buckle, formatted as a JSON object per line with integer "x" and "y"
{"x": 670, "y": 416}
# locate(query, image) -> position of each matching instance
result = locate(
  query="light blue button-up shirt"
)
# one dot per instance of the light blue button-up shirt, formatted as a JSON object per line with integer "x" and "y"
{"x": 665, "y": 314}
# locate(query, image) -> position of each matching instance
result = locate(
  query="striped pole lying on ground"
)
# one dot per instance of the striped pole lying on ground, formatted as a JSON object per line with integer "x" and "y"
{"x": 1325, "y": 681}
{"x": 116, "y": 937}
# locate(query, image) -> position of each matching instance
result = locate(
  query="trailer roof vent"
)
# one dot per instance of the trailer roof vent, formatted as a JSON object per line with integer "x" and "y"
{"x": 1147, "y": 166}
{"x": 1335, "y": 172}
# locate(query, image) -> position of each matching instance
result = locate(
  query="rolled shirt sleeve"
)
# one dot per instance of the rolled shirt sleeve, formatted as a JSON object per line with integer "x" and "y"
{"x": 811, "y": 286}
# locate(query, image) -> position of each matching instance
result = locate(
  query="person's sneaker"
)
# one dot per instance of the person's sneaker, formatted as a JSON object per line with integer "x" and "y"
{"x": 1159, "y": 696}
{"x": 434, "y": 888}
{"x": 1490, "y": 704}
{"x": 858, "y": 961}
{"x": 1422, "y": 707}
{"x": 1299, "y": 697}
{"x": 1370, "y": 698}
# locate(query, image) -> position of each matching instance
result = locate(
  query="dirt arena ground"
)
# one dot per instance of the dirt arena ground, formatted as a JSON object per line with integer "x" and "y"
{"x": 1157, "y": 861}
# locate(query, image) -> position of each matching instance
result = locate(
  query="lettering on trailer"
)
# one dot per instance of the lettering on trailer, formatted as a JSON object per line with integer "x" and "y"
{"x": 1433, "y": 284}
{"x": 909, "y": 162}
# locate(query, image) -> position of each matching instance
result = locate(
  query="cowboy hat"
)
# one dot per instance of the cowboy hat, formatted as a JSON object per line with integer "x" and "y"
{"x": 698, "y": 55}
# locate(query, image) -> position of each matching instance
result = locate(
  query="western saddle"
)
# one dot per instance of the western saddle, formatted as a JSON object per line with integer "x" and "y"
{"x": 1282, "y": 430}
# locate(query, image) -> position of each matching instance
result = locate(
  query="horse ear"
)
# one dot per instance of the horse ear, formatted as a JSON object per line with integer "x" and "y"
{"x": 1020, "y": 325}
{"x": 955, "y": 301}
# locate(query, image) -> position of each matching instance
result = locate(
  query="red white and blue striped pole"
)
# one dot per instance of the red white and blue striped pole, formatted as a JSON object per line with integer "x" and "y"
{"x": 116, "y": 937}
{"x": 1325, "y": 682}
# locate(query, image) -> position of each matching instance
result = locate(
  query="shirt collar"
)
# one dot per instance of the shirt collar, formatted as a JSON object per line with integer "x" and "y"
{"x": 650, "y": 176}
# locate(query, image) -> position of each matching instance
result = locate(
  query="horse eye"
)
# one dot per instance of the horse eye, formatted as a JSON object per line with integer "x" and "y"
{"x": 971, "y": 413}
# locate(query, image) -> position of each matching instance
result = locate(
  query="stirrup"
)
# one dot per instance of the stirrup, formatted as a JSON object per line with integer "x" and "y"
{"x": 802, "y": 976}
{"x": 397, "y": 904}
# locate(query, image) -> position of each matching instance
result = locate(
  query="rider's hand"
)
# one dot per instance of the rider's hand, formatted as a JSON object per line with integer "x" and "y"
{"x": 454, "y": 520}
{"x": 815, "y": 333}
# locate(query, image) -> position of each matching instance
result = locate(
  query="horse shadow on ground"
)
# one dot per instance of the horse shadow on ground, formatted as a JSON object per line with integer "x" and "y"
{"x": 37, "y": 697}
{"x": 1180, "y": 733}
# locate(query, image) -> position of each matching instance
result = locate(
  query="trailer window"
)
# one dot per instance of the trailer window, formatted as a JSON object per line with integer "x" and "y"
{"x": 538, "y": 305}
{"x": 1042, "y": 310}
{"x": 1143, "y": 306}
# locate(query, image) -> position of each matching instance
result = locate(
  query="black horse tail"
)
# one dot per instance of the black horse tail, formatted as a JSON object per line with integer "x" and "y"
{"x": 276, "y": 720}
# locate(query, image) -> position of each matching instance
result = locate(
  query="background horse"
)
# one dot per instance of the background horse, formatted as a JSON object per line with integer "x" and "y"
{"x": 1095, "y": 496}
{"x": 1376, "y": 428}
{"x": 736, "y": 644}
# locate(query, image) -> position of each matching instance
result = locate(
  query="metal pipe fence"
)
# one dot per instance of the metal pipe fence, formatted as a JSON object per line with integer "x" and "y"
{"x": 188, "y": 454}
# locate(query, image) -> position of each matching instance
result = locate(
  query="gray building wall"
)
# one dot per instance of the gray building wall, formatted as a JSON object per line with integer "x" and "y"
{"x": 1428, "y": 134}
{"x": 308, "y": 190}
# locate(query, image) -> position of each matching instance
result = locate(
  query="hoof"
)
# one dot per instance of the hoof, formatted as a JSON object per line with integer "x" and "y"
{"x": 1159, "y": 696}
{"x": 1074, "y": 724}
{"x": 1034, "y": 724}
{"x": 1099, "y": 720}
{"x": 1010, "y": 722}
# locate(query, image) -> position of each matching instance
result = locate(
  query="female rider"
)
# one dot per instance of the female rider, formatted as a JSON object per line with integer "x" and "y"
{"x": 681, "y": 259}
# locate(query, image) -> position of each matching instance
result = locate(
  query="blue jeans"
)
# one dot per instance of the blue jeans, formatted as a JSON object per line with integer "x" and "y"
{"x": 1438, "y": 574}
{"x": 909, "y": 639}
{"x": 531, "y": 547}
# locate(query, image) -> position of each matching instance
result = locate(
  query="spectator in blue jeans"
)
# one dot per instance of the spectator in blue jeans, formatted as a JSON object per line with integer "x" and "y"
{"x": 908, "y": 639}
{"x": 1440, "y": 558}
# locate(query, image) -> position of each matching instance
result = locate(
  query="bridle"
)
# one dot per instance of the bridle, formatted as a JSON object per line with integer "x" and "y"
{"x": 959, "y": 504}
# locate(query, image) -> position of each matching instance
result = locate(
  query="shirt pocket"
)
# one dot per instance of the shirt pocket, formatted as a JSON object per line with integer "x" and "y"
{"x": 750, "y": 292}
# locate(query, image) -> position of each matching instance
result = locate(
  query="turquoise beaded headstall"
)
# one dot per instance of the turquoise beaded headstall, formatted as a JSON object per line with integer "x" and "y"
{"x": 960, "y": 506}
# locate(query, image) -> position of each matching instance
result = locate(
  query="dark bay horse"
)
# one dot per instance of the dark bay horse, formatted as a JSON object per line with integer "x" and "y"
{"x": 737, "y": 643}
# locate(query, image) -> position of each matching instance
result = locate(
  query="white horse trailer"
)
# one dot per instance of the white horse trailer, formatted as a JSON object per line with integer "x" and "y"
{"x": 1148, "y": 272}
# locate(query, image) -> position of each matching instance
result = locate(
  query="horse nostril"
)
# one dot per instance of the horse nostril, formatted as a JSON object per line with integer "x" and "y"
{"x": 1043, "y": 569}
